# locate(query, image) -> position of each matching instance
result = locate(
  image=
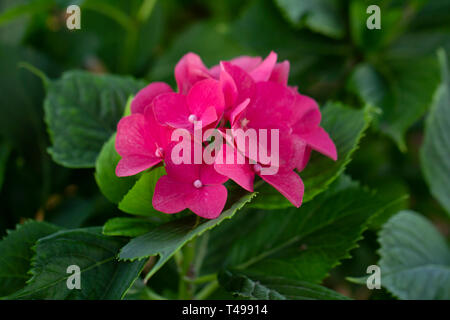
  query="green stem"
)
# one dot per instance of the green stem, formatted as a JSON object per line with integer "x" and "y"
{"x": 152, "y": 295}
{"x": 185, "y": 288}
{"x": 202, "y": 279}
{"x": 207, "y": 290}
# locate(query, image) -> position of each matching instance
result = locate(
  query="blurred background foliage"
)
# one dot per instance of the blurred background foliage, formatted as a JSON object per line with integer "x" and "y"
{"x": 333, "y": 56}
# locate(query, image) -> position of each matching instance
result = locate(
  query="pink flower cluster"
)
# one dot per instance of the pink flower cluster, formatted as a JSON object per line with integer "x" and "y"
{"x": 243, "y": 93}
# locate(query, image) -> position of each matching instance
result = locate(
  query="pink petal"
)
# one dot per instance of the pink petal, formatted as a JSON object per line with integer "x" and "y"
{"x": 246, "y": 63}
{"x": 237, "y": 169}
{"x": 182, "y": 172}
{"x": 172, "y": 109}
{"x": 133, "y": 136}
{"x": 244, "y": 83}
{"x": 161, "y": 133}
{"x": 209, "y": 175}
{"x": 304, "y": 153}
{"x": 264, "y": 70}
{"x": 271, "y": 106}
{"x": 145, "y": 96}
{"x": 204, "y": 96}
{"x": 320, "y": 141}
{"x": 208, "y": 201}
{"x": 131, "y": 165}
{"x": 228, "y": 86}
{"x": 169, "y": 195}
{"x": 237, "y": 111}
{"x": 135, "y": 144}
{"x": 289, "y": 184}
{"x": 307, "y": 115}
{"x": 280, "y": 73}
{"x": 189, "y": 70}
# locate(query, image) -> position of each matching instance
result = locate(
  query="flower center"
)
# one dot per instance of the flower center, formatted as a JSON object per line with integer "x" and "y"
{"x": 244, "y": 122}
{"x": 198, "y": 184}
{"x": 159, "y": 152}
{"x": 257, "y": 168}
{"x": 192, "y": 118}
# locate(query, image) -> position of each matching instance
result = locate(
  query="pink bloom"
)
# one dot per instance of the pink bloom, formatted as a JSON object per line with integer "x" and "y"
{"x": 141, "y": 141}
{"x": 204, "y": 102}
{"x": 247, "y": 94}
{"x": 197, "y": 187}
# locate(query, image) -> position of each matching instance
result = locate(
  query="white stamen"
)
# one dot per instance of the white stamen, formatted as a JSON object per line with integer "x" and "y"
{"x": 192, "y": 118}
{"x": 198, "y": 184}
{"x": 159, "y": 152}
{"x": 257, "y": 168}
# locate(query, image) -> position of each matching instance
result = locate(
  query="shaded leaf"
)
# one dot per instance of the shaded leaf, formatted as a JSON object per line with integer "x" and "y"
{"x": 82, "y": 111}
{"x": 102, "y": 275}
{"x": 16, "y": 254}
{"x": 127, "y": 227}
{"x": 274, "y": 288}
{"x": 435, "y": 151}
{"x": 323, "y": 16}
{"x": 415, "y": 258}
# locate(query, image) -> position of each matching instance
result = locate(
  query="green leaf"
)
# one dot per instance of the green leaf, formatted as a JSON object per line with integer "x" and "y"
{"x": 139, "y": 199}
{"x": 302, "y": 244}
{"x": 127, "y": 227}
{"x": 114, "y": 188}
{"x": 16, "y": 254}
{"x": 346, "y": 127}
{"x": 82, "y": 111}
{"x": 415, "y": 258}
{"x": 434, "y": 153}
{"x": 402, "y": 93}
{"x": 168, "y": 238}
{"x": 102, "y": 275}
{"x": 323, "y": 16}
{"x": 274, "y": 288}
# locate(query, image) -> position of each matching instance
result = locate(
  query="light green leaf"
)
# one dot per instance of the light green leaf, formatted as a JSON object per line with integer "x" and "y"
{"x": 415, "y": 258}
{"x": 303, "y": 244}
{"x": 102, "y": 275}
{"x": 127, "y": 227}
{"x": 139, "y": 199}
{"x": 323, "y": 16}
{"x": 168, "y": 238}
{"x": 82, "y": 111}
{"x": 346, "y": 127}
{"x": 114, "y": 188}
{"x": 274, "y": 288}
{"x": 16, "y": 254}
{"x": 435, "y": 151}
